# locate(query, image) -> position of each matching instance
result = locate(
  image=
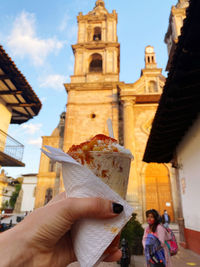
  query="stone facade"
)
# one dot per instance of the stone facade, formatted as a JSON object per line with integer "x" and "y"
{"x": 96, "y": 94}
{"x": 48, "y": 178}
{"x": 177, "y": 15}
{"x": 139, "y": 102}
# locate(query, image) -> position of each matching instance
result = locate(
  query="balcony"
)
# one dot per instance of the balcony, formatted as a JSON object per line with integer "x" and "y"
{"x": 11, "y": 151}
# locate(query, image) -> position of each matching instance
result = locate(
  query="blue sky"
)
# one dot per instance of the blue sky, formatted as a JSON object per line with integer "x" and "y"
{"x": 38, "y": 35}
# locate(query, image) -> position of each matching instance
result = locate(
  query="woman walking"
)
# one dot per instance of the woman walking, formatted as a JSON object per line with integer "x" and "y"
{"x": 155, "y": 235}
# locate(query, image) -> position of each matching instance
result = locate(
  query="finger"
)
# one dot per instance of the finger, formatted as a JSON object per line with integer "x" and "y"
{"x": 114, "y": 256}
{"x": 77, "y": 208}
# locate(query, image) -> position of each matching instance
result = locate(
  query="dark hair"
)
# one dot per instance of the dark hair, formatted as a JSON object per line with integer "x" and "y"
{"x": 156, "y": 216}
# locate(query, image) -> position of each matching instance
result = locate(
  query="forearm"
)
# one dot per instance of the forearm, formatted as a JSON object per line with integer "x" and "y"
{"x": 14, "y": 249}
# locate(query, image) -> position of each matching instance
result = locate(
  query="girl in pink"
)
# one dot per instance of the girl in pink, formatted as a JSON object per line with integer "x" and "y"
{"x": 156, "y": 229}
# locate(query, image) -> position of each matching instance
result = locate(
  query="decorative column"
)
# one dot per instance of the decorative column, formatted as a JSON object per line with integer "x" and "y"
{"x": 180, "y": 219}
{"x": 128, "y": 103}
{"x": 129, "y": 143}
{"x": 115, "y": 115}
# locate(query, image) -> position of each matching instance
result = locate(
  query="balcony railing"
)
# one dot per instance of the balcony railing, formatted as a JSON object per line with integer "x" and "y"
{"x": 10, "y": 146}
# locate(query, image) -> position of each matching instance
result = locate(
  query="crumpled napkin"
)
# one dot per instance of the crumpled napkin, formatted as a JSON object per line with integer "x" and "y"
{"x": 90, "y": 236}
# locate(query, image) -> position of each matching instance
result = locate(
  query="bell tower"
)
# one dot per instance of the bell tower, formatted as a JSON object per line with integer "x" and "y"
{"x": 150, "y": 58}
{"x": 97, "y": 50}
{"x": 92, "y": 93}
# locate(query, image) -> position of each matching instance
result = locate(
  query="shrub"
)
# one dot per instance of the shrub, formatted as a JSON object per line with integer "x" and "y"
{"x": 14, "y": 196}
{"x": 133, "y": 233}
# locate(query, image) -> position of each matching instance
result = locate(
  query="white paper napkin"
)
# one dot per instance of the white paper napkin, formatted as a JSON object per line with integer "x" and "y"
{"x": 90, "y": 236}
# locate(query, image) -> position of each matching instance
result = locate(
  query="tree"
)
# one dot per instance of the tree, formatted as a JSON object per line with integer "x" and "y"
{"x": 14, "y": 195}
{"x": 133, "y": 233}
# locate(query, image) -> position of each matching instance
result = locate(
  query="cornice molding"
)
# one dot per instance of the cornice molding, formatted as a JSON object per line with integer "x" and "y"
{"x": 95, "y": 45}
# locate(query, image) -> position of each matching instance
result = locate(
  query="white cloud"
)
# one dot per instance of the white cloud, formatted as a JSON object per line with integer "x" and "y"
{"x": 37, "y": 142}
{"x": 31, "y": 128}
{"x": 23, "y": 40}
{"x": 54, "y": 81}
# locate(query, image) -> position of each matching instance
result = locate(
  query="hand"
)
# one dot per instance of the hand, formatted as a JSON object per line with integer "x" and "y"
{"x": 43, "y": 238}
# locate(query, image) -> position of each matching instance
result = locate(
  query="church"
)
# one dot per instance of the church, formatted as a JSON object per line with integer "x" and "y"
{"x": 95, "y": 94}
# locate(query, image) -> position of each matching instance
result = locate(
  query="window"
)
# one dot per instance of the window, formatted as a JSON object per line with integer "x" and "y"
{"x": 95, "y": 63}
{"x": 97, "y": 34}
{"x": 48, "y": 195}
{"x": 51, "y": 165}
{"x": 152, "y": 87}
{"x": 93, "y": 116}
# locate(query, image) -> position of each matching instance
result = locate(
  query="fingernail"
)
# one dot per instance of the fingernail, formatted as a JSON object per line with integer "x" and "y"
{"x": 117, "y": 208}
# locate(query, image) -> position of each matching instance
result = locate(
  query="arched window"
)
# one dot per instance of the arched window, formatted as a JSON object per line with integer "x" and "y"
{"x": 152, "y": 87}
{"x": 48, "y": 195}
{"x": 97, "y": 34}
{"x": 95, "y": 63}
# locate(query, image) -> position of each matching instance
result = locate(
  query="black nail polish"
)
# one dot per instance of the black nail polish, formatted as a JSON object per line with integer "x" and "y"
{"x": 117, "y": 208}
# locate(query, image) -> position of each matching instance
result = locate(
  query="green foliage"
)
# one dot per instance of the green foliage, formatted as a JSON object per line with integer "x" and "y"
{"x": 5, "y": 205}
{"x": 133, "y": 233}
{"x": 14, "y": 196}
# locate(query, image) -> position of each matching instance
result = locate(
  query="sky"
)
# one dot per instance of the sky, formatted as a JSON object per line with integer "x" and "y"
{"x": 38, "y": 35}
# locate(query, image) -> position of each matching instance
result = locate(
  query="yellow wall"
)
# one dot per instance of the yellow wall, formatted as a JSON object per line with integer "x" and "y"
{"x": 5, "y": 116}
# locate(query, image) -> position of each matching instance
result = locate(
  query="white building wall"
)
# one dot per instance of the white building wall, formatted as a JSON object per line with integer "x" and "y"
{"x": 28, "y": 198}
{"x": 188, "y": 154}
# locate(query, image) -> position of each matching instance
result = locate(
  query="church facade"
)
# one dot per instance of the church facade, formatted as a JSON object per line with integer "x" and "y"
{"x": 95, "y": 94}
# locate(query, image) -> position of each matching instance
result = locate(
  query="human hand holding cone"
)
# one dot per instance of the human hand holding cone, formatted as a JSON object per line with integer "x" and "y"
{"x": 90, "y": 237}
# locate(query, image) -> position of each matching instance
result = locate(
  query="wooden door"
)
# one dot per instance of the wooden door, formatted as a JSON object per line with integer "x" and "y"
{"x": 158, "y": 189}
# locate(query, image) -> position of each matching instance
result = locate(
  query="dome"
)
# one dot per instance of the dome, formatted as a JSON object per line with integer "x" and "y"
{"x": 56, "y": 131}
{"x": 62, "y": 115}
{"x": 100, "y": 3}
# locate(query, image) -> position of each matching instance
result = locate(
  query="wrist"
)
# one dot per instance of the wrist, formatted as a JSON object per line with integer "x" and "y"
{"x": 14, "y": 248}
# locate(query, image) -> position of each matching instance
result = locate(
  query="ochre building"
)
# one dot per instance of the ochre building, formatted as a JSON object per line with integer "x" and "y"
{"x": 96, "y": 94}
